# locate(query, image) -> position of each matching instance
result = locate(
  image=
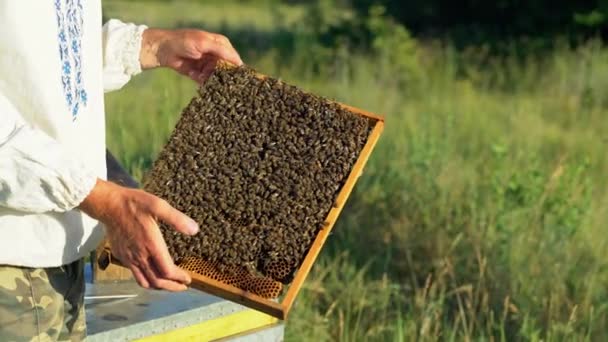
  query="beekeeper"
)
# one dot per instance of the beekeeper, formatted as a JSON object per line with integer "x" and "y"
{"x": 56, "y": 61}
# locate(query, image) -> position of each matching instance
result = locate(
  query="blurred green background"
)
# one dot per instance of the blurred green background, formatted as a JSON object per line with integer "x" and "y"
{"x": 482, "y": 213}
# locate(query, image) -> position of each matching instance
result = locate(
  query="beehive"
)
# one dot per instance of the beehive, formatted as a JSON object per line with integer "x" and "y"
{"x": 265, "y": 169}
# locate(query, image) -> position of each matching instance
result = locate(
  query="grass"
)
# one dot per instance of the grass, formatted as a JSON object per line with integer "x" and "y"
{"x": 481, "y": 214}
{"x": 203, "y": 13}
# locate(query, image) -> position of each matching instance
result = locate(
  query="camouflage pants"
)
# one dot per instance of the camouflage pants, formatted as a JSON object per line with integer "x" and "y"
{"x": 42, "y": 304}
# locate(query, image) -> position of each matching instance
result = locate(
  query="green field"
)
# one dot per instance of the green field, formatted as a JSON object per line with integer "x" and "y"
{"x": 482, "y": 213}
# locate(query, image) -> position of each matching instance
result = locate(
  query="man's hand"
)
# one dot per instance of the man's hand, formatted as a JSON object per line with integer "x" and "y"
{"x": 192, "y": 53}
{"x": 130, "y": 219}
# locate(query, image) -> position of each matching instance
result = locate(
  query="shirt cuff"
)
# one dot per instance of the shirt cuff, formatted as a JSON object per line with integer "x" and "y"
{"x": 85, "y": 181}
{"x": 132, "y": 50}
{"x": 121, "y": 51}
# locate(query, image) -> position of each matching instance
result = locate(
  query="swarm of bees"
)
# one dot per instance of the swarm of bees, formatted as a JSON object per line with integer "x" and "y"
{"x": 258, "y": 164}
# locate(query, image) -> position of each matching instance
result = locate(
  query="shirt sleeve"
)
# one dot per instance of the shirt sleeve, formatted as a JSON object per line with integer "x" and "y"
{"x": 36, "y": 174}
{"x": 121, "y": 48}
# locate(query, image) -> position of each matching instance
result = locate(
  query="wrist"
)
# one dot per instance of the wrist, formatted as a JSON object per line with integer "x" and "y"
{"x": 151, "y": 44}
{"x": 98, "y": 203}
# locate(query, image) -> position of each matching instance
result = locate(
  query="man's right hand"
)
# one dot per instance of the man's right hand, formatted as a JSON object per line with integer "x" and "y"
{"x": 130, "y": 217}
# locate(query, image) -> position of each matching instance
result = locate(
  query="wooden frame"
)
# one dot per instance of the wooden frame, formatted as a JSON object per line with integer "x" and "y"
{"x": 276, "y": 308}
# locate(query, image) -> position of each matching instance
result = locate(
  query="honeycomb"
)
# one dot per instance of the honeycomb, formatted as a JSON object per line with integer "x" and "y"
{"x": 240, "y": 278}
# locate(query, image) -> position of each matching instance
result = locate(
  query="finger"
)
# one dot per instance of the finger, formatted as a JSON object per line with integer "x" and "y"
{"x": 221, "y": 50}
{"x": 139, "y": 277}
{"x": 159, "y": 283}
{"x": 197, "y": 66}
{"x": 207, "y": 70}
{"x": 164, "y": 268}
{"x": 159, "y": 259}
{"x": 173, "y": 217}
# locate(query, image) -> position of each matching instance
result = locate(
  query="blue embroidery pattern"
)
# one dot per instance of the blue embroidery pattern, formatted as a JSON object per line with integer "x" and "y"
{"x": 69, "y": 26}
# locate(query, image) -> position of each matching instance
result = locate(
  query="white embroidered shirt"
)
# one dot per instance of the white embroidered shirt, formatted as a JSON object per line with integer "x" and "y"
{"x": 56, "y": 60}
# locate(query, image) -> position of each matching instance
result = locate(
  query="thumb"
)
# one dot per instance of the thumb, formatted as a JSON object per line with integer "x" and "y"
{"x": 175, "y": 218}
{"x": 221, "y": 50}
